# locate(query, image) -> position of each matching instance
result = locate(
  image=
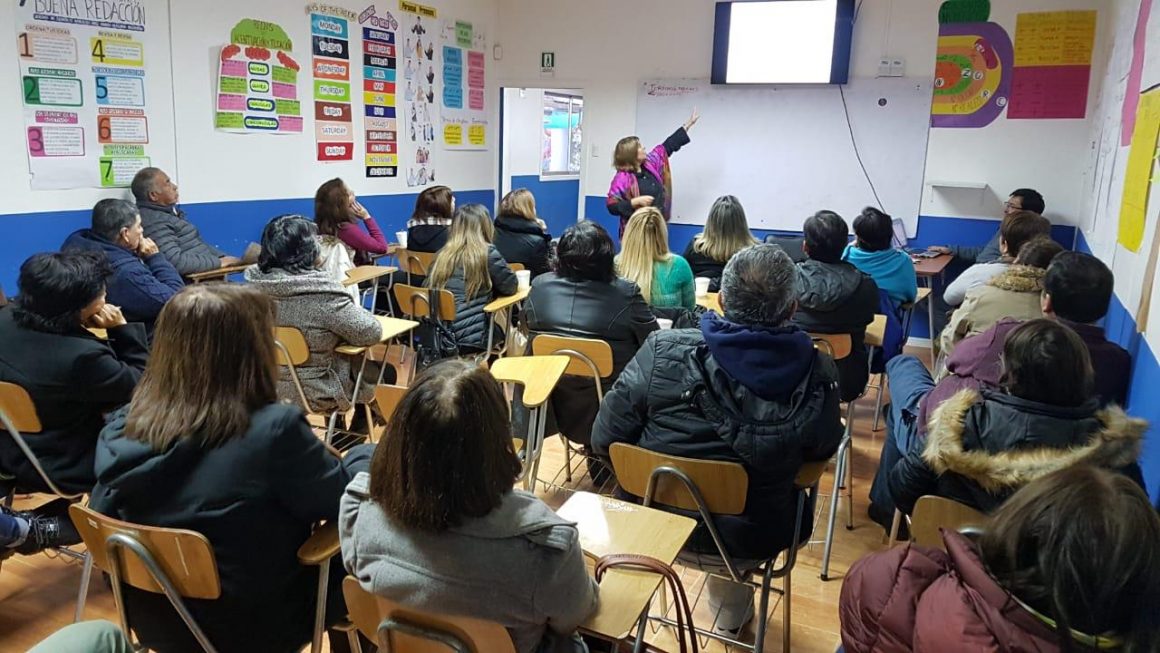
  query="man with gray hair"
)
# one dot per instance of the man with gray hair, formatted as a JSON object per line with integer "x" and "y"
{"x": 176, "y": 237}
{"x": 142, "y": 279}
{"x": 746, "y": 387}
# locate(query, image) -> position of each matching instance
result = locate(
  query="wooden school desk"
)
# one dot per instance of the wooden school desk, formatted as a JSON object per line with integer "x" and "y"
{"x": 219, "y": 273}
{"x": 927, "y": 269}
{"x": 711, "y": 302}
{"x": 355, "y": 276}
{"x": 503, "y": 305}
{"x": 610, "y": 526}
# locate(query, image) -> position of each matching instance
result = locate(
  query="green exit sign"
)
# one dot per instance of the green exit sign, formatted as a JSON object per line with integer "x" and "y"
{"x": 547, "y": 60}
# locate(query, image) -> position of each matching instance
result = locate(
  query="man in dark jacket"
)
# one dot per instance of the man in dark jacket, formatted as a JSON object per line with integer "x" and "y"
{"x": 748, "y": 388}
{"x": 142, "y": 280}
{"x": 836, "y": 297}
{"x": 176, "y": 237}
{"x": 1023, "y": 199}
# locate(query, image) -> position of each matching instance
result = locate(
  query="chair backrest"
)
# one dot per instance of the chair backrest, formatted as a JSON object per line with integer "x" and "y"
{"x": 837, "y": 345}
{"x": 388, "y": 398}
{"x": 722, "y": 485}
{"x": 17, "y": 405}
{"x": 932, "y": 513}
{"x": 413, "y": 262}
{"x": 414, "y": 302}
{"x": 293, "y": 350}
{"x": 517, "y": 267}
{"x": 415, "y": 631}
{"x": 185, "y": 557}
{"x": 586, "y": 354}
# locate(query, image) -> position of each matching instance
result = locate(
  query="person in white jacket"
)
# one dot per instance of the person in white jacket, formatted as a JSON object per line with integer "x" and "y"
{"x": 1016, "y": 230}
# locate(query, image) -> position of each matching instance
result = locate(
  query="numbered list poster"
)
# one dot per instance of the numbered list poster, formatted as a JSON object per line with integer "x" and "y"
{"x": 82, "y": 74}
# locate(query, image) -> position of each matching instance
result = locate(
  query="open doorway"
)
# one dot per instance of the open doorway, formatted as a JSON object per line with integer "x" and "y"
{"x": 542, "y": 150}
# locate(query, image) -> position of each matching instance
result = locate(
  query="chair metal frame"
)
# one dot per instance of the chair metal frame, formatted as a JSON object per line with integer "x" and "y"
{"x": 284, "y": 350}
{"x": 434, "y": 311}
{"x": 537, "y": 425}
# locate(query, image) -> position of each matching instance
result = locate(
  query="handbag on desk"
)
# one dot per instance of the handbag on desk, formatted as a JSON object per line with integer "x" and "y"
{"x": 685, "y": 633}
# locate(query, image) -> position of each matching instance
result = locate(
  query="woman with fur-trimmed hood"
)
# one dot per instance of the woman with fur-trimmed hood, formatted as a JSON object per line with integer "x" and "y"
{"x": 981, "y": 448}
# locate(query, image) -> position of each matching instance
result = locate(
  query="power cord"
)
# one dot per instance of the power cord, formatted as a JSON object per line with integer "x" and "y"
{"x": 857, "y": 153}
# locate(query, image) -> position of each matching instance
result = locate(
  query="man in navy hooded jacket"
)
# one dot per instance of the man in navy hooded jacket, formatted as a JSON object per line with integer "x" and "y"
{"x": 747, "y": 387}
{"x": 142, "y": 280}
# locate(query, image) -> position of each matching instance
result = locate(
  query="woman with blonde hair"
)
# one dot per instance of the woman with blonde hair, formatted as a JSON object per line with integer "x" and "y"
{"x": 643, "y": 178}
{"x": 726, "y": 233}
{"x": 473, "y": 270}
{"x": 520, "y": 235}
{"x": 665, "y": 279}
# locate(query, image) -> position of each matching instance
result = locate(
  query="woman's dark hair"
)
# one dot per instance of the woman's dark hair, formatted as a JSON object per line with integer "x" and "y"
{"x": 54, "y": 288}
{"x": 826, "y": 236}
{"x": 447, "y": 455}
{"x": 1081, "y": 546}
{"x": 1022, "y": 227}
{"x": 434, "y": 201}
{"x": 289, "y": 243}
{"x": 332, "y": 207}
{"x": 874, "y": 230}
{"x": 1047, "y": 362}
{"x": 1080, "y": 286}
{"x": 1039, "y": 253}
{"x": 586, "y": 253}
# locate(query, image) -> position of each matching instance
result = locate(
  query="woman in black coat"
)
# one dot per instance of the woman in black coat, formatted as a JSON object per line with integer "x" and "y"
{"x": 73, "y": 376}
{"x": 520, "y": 236}
{"x": 205, "y": 445}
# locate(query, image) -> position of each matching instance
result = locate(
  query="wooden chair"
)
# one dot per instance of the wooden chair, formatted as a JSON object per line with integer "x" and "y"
{"x": 932, "y": 513}
{"x": 19, "y": 416}
{"x": 388, "y": 398}
{"x": 396, "y": 627}
{"x": 416, "y": 303}
{"x": 181, "y": 565}
{"x": 717, "y": 488}
{"x": 516, "y": 267}
{"x": 414, "y": 263}
{"x": 589, "y": 357}
{"x": 538, "y": 375}
{"x": 292, "y": 352}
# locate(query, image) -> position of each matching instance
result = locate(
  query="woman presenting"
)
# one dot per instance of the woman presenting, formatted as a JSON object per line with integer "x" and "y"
{"x": 643, "y": 178}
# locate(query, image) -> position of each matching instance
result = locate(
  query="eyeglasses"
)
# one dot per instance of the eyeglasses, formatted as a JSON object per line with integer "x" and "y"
{"x": 1011, "y": 205}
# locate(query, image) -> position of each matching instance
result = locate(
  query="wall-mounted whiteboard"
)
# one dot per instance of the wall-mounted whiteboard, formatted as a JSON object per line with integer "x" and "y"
{"x": 786, "y": 152}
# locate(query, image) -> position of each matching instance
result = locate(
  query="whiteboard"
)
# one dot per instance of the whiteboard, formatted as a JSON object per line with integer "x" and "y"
{"x": 786, "y": 151}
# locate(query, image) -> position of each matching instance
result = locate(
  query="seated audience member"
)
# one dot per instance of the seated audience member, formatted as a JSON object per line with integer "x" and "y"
{"x": 665, "y": 279}
{"x": 726, "y": 233}
{"x": 142, "y": 280}
{"x": 471, "y": 268}
{"x": 86, "y": 637}
{"x": 835, "y": 297}
{"x": 1023, "y": 199}
{"x": 520, "y": 236}
{"x": 310, "y": 300}
{"x": 873, "y": 253}
{"x": 428, "y": 228}
{"x": 1015, "y": 293}
{"x": 1069, "y": 563}
{"x": 747, "y": 387}
{"x": 1016, "y": 230}
{"x": 176, "y": 237}
{"x": 436, "y": 525}
{"x": 337, "y": 214}
{"x": 584, "y": 298}
{"x": 28, "y": 532}
{"x": 205, "y": 445}
{"x": 73, "y": 376}
{"x": 983, "y": 446}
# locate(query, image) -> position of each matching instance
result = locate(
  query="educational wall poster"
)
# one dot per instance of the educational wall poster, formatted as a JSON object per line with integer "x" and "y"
{"x": 463, "y": 113}
{"x": 83, "y": 70}
{"x": 380, "y": 64}
{"x": 1135, "y": 73}
{"x": 1053, "y": 65}
{"x": 330, "y": 73}
{"x": 972, "y": 72}
{"x": 420, "y": 58}
{"x": 1138, "y": 177}
{"x": 258, "y": 82}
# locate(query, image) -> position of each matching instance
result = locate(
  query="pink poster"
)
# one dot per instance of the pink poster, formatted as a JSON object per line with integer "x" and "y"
{"x": 1045, "y": 92}
{"x": 1135, "y": 73}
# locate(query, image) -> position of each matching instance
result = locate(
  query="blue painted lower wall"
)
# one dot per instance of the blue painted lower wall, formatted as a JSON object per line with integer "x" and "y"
{"x": 229, "y": 225}
{"x": 556, "y": 201}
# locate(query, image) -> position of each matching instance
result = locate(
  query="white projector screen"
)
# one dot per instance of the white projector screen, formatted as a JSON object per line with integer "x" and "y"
{"x": 782, "y": 42}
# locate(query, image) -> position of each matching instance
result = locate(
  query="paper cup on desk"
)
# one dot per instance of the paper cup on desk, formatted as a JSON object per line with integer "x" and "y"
{"x": 664, "y": 323}
{"x": 702, "y": 285}
{"x": 524, "y": 277}
{"x": 402, "y": 236}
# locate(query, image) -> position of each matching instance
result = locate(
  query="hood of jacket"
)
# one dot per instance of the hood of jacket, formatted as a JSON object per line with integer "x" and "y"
{"x": 135, "y": 468}
{"x": 86, "y": 240}
{"x": 518, "y": 224}
{"x": 279, "y": 283}
{"x": 883, "y": 263}
{"x": 1106, "y": 438}
{"x": 770, "y": 362}
{"x": 826, "y": 286}
{"x": 1019, "y": 278}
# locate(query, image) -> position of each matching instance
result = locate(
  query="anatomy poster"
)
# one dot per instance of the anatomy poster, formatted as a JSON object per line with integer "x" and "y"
{"x": 82, "y": 71}
{"x": 330, "y": 72}
{"x": 972, "y": 83}
{"x": 1053, "y": 64}
{"x": 421, "y": 87}
{"x": 380, "y": 66}
{"x": 258, "y": 81}
{"x": 463, "y": 111}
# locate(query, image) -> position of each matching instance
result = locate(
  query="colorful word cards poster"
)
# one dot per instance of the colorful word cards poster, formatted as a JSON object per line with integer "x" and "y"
{"x": 82, "y": 71}
{"x": 1138, "y": 177}
{"x": 464, "y": 120}
{"x": 258, "y": 82}
{"x": 419, "y": 59}
{"x": 380, "y": 58}
{"x": 1053, "y": 64}
{"x": 330, "y": 68}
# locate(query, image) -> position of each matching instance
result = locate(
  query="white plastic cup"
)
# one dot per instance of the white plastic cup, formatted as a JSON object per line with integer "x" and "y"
{"x": 524, "y": 278}
{"x": 664, "y": 323}
{"x": 702, "y": 285}
{"x": 402, "y": 236}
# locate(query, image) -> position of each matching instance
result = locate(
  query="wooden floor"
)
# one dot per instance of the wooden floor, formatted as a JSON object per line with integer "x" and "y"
{"x": 38, "y": 593}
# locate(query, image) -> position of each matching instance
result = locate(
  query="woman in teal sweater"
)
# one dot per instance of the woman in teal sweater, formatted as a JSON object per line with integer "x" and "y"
{"x": 665, "y": 279}
{"x": 873, "y": 253}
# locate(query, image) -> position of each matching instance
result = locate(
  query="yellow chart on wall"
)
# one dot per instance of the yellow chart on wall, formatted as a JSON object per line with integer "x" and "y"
{"x": 1138, "y": 178}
